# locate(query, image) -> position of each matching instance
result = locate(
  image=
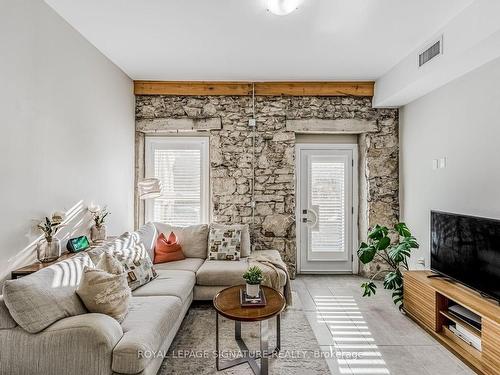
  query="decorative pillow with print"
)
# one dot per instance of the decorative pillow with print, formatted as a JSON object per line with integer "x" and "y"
{"x": 224, "y": 244}
{"x": 131, "y": 253}
{"x": 139, "y": 271}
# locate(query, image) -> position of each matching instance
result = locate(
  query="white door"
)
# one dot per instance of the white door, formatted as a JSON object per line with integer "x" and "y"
{"x": 326, "y": 210}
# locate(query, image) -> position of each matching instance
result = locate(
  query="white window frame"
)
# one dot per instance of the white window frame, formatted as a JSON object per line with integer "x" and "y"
{"x": 182, "y": 143}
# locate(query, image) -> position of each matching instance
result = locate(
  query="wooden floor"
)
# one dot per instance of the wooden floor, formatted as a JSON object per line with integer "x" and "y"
{"x": 383, "y": 340}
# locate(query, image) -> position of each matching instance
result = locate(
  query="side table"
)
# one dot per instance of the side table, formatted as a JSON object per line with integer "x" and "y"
{"x": 227, "y": 304}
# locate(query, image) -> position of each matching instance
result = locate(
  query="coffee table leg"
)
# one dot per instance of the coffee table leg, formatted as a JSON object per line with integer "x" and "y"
{"x": 264, "y": 347}
{"x": 217, "y": 340}
{"x": 237, "y": 330}
{"x": 278, "y": 334}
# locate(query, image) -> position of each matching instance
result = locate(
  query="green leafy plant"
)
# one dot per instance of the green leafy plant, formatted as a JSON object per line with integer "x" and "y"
{"x": 394, "y": 252}
{"x": 50, "y": 226}
{"x": 253, "y": 275}
{"x": 99, "y": 215}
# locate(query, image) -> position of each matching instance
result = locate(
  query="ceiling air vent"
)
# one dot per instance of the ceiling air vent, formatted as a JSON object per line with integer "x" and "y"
{"x": 431, "y": 52}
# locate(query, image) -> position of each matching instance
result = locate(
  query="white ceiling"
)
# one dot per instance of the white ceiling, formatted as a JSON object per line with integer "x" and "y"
{"x": 240, "y": 40}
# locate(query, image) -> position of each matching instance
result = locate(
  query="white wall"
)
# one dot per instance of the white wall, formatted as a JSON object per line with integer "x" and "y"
{"x": 470, "y": 40}
{"x": 460, "y": 121}
{"x": 67, "y": 128}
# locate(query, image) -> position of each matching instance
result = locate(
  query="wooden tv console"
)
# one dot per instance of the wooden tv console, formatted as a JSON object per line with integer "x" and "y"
{"x": 426, "y": 301}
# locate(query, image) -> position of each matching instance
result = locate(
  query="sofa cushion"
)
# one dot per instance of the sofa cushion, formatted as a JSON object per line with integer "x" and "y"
{"x": 227, "y": 272}
{"x": 245, "y": 248}
{"x": 44, "y": 297}
{"x": 169, "y": 283}
{"x": 148, "y": 235}
{"x": 6, "y": 320}
{"x": 193, "y": 239}
{"x": 222, "y": 272}
{"x": 188, "y": 264}
{"x": 148, "y": 322}
{"x": 128, "y": 246}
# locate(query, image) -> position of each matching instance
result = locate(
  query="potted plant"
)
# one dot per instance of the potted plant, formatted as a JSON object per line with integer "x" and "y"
{"x": 49, "y": 248}
{"x": 394, "y": 252}
{"x": 253, "y": 276}
{"x": 98, "y": 230}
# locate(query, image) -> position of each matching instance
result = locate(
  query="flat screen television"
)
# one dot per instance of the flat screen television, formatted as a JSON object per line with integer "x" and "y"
{"x": 467, "y": 249}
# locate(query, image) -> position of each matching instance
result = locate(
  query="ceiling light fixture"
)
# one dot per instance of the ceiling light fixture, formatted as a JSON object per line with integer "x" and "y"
{"x": 282, "y": 7}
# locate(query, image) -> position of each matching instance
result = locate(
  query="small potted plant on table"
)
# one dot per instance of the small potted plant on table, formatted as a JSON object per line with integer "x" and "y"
{"x": 49, "y": 248}
{"x": 253, "y": 276}
{"x": 98, "y": 230}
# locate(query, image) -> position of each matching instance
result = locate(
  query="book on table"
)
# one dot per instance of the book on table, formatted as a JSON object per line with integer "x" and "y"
{"x": 247, "y": 301}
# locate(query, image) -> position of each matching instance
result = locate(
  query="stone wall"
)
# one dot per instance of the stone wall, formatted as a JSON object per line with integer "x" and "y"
{"x": 231, "y": 157}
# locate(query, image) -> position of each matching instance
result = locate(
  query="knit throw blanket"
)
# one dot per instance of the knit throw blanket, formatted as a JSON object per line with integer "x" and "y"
{"x": 273, "y": 279}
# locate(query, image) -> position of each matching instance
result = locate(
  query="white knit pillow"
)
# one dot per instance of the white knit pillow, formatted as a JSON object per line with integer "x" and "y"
{"x": 105, "y": 293}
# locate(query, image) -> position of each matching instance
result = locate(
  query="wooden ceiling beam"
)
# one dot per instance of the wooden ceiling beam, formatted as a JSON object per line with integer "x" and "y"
{"x": 195, "y": 88}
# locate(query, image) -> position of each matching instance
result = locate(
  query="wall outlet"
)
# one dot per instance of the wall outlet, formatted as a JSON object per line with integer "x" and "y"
{"x": 421, "y": 261}
{"x": 251, "y": 122}
{"x": 442, "y": 163}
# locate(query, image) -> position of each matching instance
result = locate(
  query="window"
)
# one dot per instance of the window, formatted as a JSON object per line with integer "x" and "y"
{"x": 181, "y": 164}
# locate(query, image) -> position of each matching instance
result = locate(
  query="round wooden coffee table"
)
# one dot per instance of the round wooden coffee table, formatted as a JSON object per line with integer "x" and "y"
{"x": 227, "y": 304}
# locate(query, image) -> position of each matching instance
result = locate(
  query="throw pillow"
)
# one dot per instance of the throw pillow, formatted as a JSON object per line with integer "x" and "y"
{"x": 167, "y": 249}
{"x": 105, "y": 293}
{"x": 246, "y": 247}
{"x": 131, "y": 252}
{"x": 224, "y": 244}
{"x": 139, "y": 271}
{"x": 110, "y": 264}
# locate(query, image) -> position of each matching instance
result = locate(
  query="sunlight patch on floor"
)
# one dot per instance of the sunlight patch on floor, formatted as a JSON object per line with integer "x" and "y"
{"x": 350, "y": 334}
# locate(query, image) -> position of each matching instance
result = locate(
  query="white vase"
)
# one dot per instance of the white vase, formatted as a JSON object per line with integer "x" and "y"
{"x": 252, "y": 290}
{"x": 98, "y": 233}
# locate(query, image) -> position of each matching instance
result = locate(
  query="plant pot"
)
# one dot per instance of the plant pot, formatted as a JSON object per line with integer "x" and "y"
{"x": 98, "y": 233}
{"x": 48, "y": 251}
{"x": 253, "y": 290}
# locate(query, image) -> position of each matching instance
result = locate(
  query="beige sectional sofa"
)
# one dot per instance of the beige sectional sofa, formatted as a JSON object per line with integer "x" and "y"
{"x": 97, "y": 344}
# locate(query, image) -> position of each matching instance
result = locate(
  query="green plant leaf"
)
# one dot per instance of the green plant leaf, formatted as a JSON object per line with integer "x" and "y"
{"x": 383, "y": 243}
{"x": 253, "y": 275}
{"x": 369, "y": 288}
{"x": 399, "y": 252}
{"x": 393, "y": 280}
{"x": 402, "y": 229}
{"x": 397, "y": 297}
{"x": 412, "y": 242}
{"x": 366, "y": 253}
{"x": 378, "y": 232}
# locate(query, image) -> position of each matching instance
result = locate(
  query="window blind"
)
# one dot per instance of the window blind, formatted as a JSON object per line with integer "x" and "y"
{"x": 180, "y": 167}
{"x": 328, "y": 192}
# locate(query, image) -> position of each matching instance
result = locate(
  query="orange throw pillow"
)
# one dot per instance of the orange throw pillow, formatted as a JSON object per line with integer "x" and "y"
{"x": 167, "y": 249}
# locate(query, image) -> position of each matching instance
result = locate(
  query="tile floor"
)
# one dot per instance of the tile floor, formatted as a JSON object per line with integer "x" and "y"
{"x": 369, "y": 336}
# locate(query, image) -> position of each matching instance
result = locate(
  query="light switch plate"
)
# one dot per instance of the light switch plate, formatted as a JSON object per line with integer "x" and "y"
{"x": 435, "y": 164}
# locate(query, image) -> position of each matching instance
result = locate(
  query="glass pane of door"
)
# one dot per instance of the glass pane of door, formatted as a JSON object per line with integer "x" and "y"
{"x": 328, "y": 194}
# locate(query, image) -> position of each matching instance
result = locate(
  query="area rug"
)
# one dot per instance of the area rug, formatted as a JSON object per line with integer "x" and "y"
{"x": 193, "y": 349}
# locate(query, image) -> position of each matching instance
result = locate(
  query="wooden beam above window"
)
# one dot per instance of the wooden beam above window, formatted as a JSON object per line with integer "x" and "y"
{"x": 195, "y": 88}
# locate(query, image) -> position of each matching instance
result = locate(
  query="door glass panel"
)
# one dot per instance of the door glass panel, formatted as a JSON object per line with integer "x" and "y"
{"x": 327, "y": 187}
